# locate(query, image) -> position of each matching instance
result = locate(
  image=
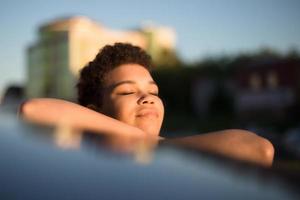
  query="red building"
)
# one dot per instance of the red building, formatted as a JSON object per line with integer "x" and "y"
{"x": 266, "y": 89}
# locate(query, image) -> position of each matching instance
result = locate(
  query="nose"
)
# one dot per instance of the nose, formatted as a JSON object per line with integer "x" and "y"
{"x": 146, "y": 99}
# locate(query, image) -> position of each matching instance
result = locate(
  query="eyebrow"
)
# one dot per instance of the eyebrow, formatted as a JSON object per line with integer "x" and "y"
{"x": 127, "y": 82}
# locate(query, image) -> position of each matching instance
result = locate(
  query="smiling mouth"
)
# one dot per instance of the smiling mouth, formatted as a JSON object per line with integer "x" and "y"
{"x": 148, "y": 113}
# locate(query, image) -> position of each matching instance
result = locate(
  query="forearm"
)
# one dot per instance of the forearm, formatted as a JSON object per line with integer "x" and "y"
{"x": 54, "y": 111}
{"x": 237, "y": 144}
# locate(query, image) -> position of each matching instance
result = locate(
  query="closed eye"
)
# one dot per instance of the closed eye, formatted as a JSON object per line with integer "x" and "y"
{"x": 154, "y": 93}
{"x": 125, "y": 93}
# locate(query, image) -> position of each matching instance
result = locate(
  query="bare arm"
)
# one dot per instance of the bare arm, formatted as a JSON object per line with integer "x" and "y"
{"x": 233, "y": 143}
{"x": 54, "y": 111}
{"x": 237, "y": 144}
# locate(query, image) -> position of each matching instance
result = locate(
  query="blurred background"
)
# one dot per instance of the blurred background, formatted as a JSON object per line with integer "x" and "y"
{"x": 219, "y": 64}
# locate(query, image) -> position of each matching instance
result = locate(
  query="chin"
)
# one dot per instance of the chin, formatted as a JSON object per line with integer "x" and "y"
{"x": 150, "y": 126}
{"x": 151, "y": 130}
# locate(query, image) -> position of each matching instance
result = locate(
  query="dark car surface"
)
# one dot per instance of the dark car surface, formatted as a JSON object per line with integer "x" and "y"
{"x": 33, "y": 166}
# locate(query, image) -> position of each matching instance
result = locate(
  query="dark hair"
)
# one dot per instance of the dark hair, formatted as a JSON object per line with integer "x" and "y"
{"x": 90, "y": 85}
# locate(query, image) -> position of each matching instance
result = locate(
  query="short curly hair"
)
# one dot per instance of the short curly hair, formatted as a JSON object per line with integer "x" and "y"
{"x": 90, "y": 85}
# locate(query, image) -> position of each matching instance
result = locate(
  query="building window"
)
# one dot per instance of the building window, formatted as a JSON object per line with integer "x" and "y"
{"x": 255, "y": 82}
{"x": 272, "y": 80}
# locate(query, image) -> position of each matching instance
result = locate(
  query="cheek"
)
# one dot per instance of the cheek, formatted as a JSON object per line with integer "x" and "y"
{"x": 123, "y": 109}
{"x": 161, "y": 107}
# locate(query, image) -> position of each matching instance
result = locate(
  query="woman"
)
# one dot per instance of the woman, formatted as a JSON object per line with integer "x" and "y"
{"x": 118, "y": 96}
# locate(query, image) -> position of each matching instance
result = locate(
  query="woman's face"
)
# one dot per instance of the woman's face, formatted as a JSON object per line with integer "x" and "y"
{"x": 131, "y": 96}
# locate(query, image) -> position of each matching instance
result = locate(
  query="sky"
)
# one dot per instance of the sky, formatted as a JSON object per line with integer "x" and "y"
{"x": 203, "y": 27}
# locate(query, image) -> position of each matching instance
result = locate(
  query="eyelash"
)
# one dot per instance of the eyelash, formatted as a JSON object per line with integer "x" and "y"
{"x": 128, "y": 93}
{"x": 155, "y": 94}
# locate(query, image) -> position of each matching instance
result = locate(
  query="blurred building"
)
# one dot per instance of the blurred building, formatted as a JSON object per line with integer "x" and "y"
{"x": 266, "y": 89}
{"x": 65, "y": 45}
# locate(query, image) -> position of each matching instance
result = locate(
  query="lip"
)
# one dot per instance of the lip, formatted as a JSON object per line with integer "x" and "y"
{"x": 146, "y": 112}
